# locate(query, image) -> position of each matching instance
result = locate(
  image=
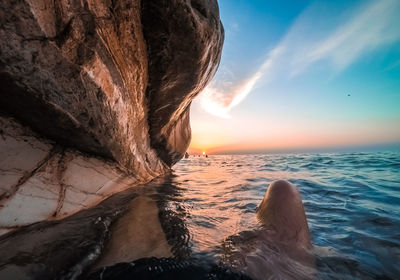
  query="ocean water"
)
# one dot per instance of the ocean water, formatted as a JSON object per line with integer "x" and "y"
{"x": 206, "y": 208}
{"x": 352, "y": 203}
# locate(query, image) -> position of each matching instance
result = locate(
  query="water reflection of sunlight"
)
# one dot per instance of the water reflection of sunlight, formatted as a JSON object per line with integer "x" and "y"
{"x": 224, "y": 191}
{"x": 214, "y": 213}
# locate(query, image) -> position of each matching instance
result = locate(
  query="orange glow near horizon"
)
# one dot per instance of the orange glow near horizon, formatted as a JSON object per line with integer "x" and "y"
{"x": 325, "y": 81}
{"x": 233, "y": 136}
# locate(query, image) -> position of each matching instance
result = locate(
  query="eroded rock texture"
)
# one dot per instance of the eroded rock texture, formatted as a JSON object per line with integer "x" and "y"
{"x": 41, "y": 180}
{"x": 106, "y": 86}
{"x": 82, "y": 74}
{"x": 76, "y": 71}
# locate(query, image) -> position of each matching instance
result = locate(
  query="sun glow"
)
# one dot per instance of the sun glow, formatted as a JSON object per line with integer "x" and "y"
{"x": 295, "y": 85}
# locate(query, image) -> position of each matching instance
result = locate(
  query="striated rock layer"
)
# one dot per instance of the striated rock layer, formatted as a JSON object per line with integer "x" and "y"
{"x": 76, "y": 71}
{"x": 41, "y": 180}
{"x": 106, "y": 86}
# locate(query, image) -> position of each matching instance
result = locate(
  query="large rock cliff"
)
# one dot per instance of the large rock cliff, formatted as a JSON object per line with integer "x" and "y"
{"x": 96, "y": 75}
{"x": 110, "y": 79}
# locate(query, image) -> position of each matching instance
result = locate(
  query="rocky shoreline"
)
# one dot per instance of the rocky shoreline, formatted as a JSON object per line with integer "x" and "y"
{"x": 96, "y": 98}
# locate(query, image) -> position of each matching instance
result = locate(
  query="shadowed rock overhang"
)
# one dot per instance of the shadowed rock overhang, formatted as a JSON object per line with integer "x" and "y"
{"x": 112, "y": 78}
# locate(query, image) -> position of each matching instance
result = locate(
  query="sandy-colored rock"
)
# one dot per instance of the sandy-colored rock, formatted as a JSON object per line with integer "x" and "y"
{"x": 282, "y": 213}
{"x": 128, "y": 224}
{"x": 42, "y": 181}
{"x": 130, "y": 238}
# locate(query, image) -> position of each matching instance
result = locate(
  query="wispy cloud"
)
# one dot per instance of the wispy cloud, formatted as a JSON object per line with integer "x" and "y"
{"x": 367, "y": 28}
{"x": 375, "y": 25}
{"x": 219, "y": 100}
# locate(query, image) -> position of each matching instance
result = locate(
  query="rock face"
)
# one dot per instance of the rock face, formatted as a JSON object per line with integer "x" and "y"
{"x": 106, "y": 87}
{"x": 40, "y": 180}
{"x": 96, "y": 75}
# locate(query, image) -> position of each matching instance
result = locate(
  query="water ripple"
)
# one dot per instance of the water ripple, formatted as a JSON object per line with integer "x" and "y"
{"x": 352, "y": 203}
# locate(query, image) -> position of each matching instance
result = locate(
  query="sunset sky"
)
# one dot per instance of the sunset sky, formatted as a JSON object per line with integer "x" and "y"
{"x": 302, "y": 75}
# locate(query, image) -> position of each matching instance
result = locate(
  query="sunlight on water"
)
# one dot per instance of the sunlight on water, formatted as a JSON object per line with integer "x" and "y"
{"x": 352, "y": 202}
{"x": 202, "y": 218}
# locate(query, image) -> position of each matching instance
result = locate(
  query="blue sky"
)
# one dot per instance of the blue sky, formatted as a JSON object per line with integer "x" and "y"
{"x": 303, "y": 74}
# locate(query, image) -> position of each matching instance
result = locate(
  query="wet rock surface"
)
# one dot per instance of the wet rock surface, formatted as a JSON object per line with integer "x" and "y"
{"x": 61, "y": 249}
{"x": 41, "y": 180}
{"x": 77, "y": 245}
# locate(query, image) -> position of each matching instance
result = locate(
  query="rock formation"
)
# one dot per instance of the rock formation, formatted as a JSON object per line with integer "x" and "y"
{"x": 105, "y": 85}
{"x": 41, "y": 180}
{"x": 96, "y": 75}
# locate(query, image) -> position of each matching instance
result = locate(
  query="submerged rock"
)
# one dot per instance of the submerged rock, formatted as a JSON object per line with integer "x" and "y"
{"x": 127, "y": 228}
{"x": 130, "y": 241}
{"x": 61, "y": 249}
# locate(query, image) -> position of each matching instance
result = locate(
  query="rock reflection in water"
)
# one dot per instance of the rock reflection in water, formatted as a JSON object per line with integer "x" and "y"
{"x": 138, "y": 234}
{"x": 130, "y": 225}
{"x": 153, "y": 226}
{"x": 66, "y": 248}
{"x": 145, "y": 231}
{"x": 60, "y": 249}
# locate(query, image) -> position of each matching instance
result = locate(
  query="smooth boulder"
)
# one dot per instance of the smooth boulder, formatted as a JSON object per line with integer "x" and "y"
{"x": 282, "y": 213}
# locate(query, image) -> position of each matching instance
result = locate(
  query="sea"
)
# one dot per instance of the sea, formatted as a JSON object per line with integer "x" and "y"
{"x": 207, "y": 209}
{"x": 351, "y": 200}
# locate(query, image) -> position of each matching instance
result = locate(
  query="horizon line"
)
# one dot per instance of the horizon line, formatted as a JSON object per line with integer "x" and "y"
{"x": 351, "y": 148}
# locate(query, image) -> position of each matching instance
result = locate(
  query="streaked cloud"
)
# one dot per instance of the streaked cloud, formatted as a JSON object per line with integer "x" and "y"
{"x": 219, "y": 100}
{"x": 220, "y": 103}
{"x": 310, "y": 40}
{"x": 375, "y": 25}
